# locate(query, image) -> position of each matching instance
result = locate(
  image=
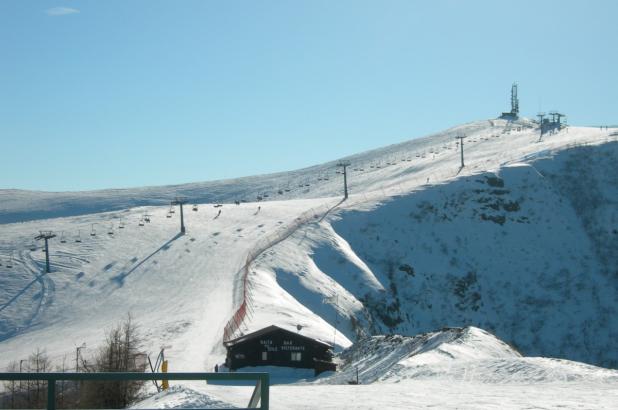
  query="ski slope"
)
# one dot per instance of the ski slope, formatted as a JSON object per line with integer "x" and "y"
{"x": 313, "y": 265}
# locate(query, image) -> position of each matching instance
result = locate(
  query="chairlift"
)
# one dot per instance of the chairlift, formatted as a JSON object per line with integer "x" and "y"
{"x": 195, "y": 208}
{"x": 319, "y": 178}
{"x": 62, "y": 240}
{"x": 259, "y": 198}
{"x": 169, "y": 215}
{"x": 9, "y": 264}
{"x": 146, "y": 218}
{"x": 141, "y": 222}
{"x": 287, "y": 190}
{"x": 79, "y": 236}
{"x": 92, "y": 231}
{"x": 172, "y": 210}
{"x": 111, "y": 230}
{"x": 325, "y": 177}
{"x": 265, "y": 195}
{"x": 301, "y": 185}
{"x": 120, "y": 224}
{"x": 33, "y": 247}
{"x": 307, "y": 184}
{"x": 280, "y": 192}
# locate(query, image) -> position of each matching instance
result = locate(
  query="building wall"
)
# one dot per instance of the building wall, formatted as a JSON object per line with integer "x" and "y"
{"x": 278, "y": 347}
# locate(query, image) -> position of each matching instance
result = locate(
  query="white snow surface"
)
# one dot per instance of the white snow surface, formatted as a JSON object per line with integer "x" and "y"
{"x": 521, "y": 242}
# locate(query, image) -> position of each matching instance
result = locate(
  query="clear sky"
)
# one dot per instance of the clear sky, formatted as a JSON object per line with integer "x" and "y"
{"x": 120, "y": 93}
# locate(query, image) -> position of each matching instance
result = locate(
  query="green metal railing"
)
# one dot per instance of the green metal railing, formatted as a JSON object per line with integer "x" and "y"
{"x": 260, "y": 393}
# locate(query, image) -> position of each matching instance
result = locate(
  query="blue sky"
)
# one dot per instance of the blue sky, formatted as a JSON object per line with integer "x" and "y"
{"x": 117, "y": 93}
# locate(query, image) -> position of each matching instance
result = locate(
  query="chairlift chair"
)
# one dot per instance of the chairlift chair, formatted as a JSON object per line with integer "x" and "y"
{"x": 141, "y": 222}
{"x": 172, "y": 210}
{"x": 79, "y": 236}
{"x": 168, "y": 215}
{"x": 92, "y": 231}
{"x": 280, "y": 192}
{"x": 120, "y": 224}
{"x": 195, "y": 208}
{"x": 111, "y": 230}
{"x": 62, "y": 240}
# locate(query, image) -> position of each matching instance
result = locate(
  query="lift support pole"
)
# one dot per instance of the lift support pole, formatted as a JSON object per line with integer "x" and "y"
{"x": 181, "y": 202}
{"x": 345, "y": 165}
{"x": 461, "y": 146}
{"x": 46, "y": 235}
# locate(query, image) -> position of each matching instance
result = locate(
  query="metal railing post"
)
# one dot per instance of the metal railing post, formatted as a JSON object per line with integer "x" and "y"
{"x": 51, "y": 394}
{"x": 264, "y": 387}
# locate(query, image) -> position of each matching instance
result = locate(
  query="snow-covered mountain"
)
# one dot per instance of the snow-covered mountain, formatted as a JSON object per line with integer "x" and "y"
{"x": 522, "y": 242}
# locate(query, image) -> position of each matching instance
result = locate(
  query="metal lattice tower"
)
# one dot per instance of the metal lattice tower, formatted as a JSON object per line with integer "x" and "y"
{"x": 45, "y": 235}
{"x": 514, "y": 100}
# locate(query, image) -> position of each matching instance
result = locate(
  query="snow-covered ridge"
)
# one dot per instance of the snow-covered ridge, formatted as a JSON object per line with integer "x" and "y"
{"x": 461, "y": 354}
{"x": 368, "y": 172}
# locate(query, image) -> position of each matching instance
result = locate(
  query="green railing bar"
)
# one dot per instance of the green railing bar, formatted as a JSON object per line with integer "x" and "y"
{"x": 260, "y": 393}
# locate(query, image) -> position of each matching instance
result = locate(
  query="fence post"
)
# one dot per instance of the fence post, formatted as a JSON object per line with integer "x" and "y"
{"x": 51, "y": 394}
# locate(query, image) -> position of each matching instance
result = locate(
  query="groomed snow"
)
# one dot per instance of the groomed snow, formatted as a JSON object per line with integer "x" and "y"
{"x": 183, "y": 289}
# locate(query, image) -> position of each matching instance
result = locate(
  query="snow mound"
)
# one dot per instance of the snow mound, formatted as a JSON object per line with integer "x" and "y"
{"x": 459, "y": 354}
{"x": 181, "y": 397}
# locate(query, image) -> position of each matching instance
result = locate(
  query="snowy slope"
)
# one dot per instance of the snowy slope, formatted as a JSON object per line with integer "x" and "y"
{"x": 527, "y": 250}
{"x": 510, "y": 243}
{"x": 452, "y": 368}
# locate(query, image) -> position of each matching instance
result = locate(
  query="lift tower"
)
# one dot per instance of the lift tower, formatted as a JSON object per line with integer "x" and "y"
{"x": 180, "y": 201}
{"x": 461, "y": 145}
{"x": 45, "y": 235}
{"x": 344, "y": 165}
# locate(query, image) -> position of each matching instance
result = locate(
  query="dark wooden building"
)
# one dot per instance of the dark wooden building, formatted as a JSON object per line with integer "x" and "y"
{"x": 274, "y": 346}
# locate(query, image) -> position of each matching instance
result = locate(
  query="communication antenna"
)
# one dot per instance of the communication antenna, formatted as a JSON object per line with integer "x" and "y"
{"x": 514, "y": 100}
{"x": 541, "y": 117}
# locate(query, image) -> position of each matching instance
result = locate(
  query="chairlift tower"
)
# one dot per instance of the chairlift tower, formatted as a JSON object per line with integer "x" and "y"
{"x": 46, "y": 235}
{"x": 345, "y": 165}
{"x": 181, "y": 201}
{"x": 461, "y": 147}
